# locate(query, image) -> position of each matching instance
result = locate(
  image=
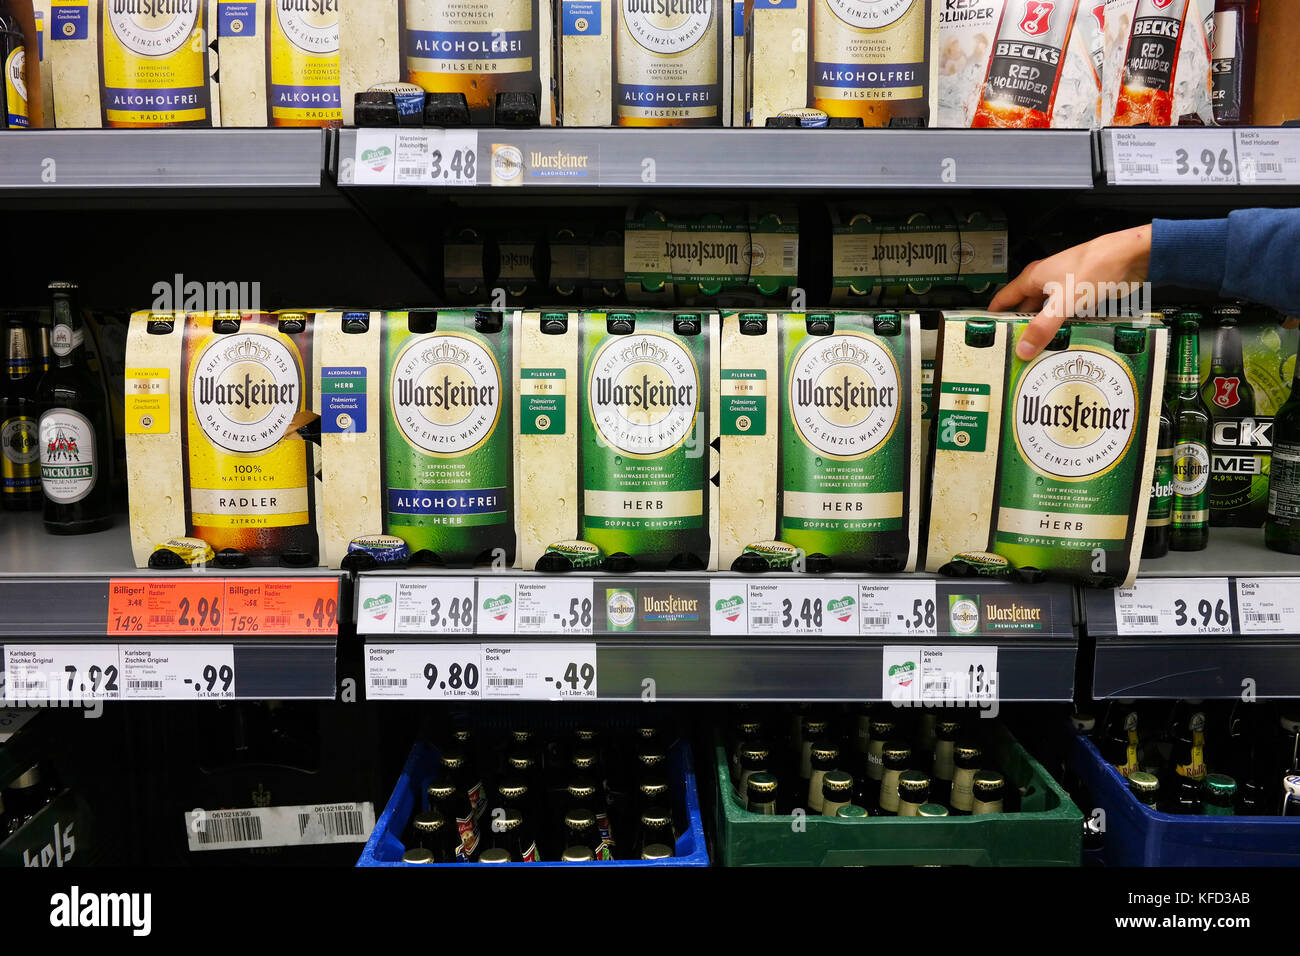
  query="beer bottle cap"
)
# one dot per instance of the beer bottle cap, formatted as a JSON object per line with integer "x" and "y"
{"x": 775, "y": 554}
{"x": 584, "y": 758}
{"x": 753, "y": 323}
{"x": 819, "y": 323}
{"x": 686, "y": 323}
{"x": 519, "y": 760}
{"x": 656, "y": 817}
{"x": 463, "y": 735}
{"x": 512, "y": 789}
{"x": 980, "y": 333}
{"x": 581, "y": 788}
{"x": 584, "y": 734}
{"x": 521, "y": 735}
{"x": 1290, "y": 783}
{"x": 808, "y": 117}
{"x": 852, "y": 811}
{"x": 620, "y": 323}
{"x": 292, "y": 323}
{"x": 61, "y": 286}
{"x": 754, "y": 752}
{"x": 446, "y": 109}
{"x": 579, "y": 819}
{"x": 505, "y": 819}
{"x": 783, "y": 122}
{"x": 896, "y": 755}
{"x": 967, "y": 756}
{"x": 845, "y": 122}
{"x": 749, "y": 563}
{"x": 932, "y": 810}
{"x": 653, "y": 787}
{"x": 653, "y": 756}
{"x": 564, "y": 556}
{"x": 430, "y": 821}
{"x": 988, "y": 785}
{"x": 1083, "y": 722}
{"x": 453, "y": 759}
{"x": 578, "y": 854}
{"x": 881, "y": 728}
{"x": 232, "y": 558}
{"x": 440, "y": 790}
{"x": 1143, "y": 783}
{"x": 355, "y": 323}
{"x": 947, "y": 729}
{"x": 417, "y": 856}
{"x": 836, "y": 782}
{"x": 818, "y": 563}
{"x": 983, "y": 563}
{"x": 913, "y": 786}
{"x": 747, "y": 727}
{"x": 383, "y": 548}
{"x": 1220, "y": 785}
{"x": 761, "y": 785}
{"x": 826, "y": 754}
{"x": 1228, "y": 314}
{"x": 814, "y": 726}
{"x": 650, "y": 732}
{"x": 656, "y": 851}
{"x": 495, "y": 855}
{"x": 181, "y": 553}
{"x": 555, "y": 323}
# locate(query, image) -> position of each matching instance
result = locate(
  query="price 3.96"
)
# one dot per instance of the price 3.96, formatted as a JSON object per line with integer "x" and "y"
{"x": 1205, "y": 613}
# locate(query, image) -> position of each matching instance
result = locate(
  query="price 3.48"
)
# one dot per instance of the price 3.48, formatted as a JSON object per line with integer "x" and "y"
{"x": 809, "y": 615}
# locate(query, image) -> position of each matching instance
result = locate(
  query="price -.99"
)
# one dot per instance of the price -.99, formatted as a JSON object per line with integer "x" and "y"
{"x": 211, "y": 673}
{"x": 1207, "y": 165}
{"x": 1205, "y": 610}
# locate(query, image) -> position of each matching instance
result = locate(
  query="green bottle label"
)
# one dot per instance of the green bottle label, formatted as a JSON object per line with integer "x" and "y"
{"x": 927, "y": 389}
{"x": 963, "y": 417}
{"x": 1191, "y": 478}
{"x": 744, "y": 401}
{"x": 643, "y": 438}
{"x": 1071, "y": 452}
{"x": 845, "y": 439}
{"x": 542, "y": 401}
{"x": 447, "y": 457}
{"x": 1161, "y": 506}
{"x": 1284, "y": 486}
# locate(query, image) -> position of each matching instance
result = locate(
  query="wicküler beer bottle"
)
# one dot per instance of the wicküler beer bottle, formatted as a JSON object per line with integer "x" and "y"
{"x": 1191, "y": 519}
{"x": 73, "y": 431}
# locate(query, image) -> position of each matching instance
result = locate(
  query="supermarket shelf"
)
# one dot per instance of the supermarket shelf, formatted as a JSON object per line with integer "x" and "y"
{"x": 52, "y": 161}
{"x": 1173, "y": 659}
{"x": 1200, "y": 158}
{"x": 754, "y": 158}
{"x": 694, "y": 653}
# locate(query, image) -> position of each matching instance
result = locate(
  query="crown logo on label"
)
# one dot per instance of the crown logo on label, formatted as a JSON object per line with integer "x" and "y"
{"x": 445, "y": 351}
{"x": 1079, "y": 369}
{"x": 248, "y": 351}
{"x": 645, "y": 351}
{"x": 844, "y": 352}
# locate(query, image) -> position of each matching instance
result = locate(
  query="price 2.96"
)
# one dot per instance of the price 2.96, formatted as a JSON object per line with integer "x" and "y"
{"x": 1205, "y": 613}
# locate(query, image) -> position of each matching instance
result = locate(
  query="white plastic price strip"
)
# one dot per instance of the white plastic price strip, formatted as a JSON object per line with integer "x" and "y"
{"x": 539, "y": 671}
{"x": 899, "y": 607}
{"x": 1174, "y": 606}
{"x": 424, "y": 671}
{"x": 416, "y": 605}
{"x": 62, "y": 672}
{"x": 178, "y": 671}
{"x": 931, "y": 675}
{"x": 1268, "y": 606}
{"x": 560, "y": 605}
{"x": 1174, "y": 156}
{"x": 305, "y": 825}
{"x": 799, "y": 609}
{"x": 424, "y": 157}
{"x": 1268, "y": 156}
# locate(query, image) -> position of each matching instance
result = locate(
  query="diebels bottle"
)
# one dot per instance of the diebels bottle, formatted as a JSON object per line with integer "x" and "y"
{"x": 1191, "y": 420}
{"x": 20, "y": 373}
{"x": 1238, "y": 487}
{"x": 13, "y": 58}
{"x": 1282, "y": 520}
{"x": 75, "y": 449}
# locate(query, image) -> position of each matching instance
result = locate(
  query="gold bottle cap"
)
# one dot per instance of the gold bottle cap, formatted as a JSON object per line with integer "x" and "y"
{"x": 761, "y": 783}
{"x": 579, "y": 819}
{"x": 581, "y": 788}
{"x": 657, "y": 851}
{"x": 430, "y": 821}
{"x": 578, "y": 854}
{"x": 824, "y": 753}
{"x": 521, "y": 736}
{"x": 584, "y": 758}
{"x": 896, "y": 752}
{"x": 651, "y": 756}
{"x": 440, "y": 790}
{"x": 495, "y": 855}
{"x": 988, "y": 783}
{"x": 417, "y": 856}
{"x": 881, "y": 727}
{"x": 653, "y": 786}
{"x": 749, "y": 728}
{"x": 521, "y": 761}
{"x": 754, "y": 752}
{"x": 656, "y": 817}
{"x": 192, "y": 551}
{"x": 967, "y": 755}
{"x": 814, "y": 727}
{"x": 453, "y": 759}
{"x": 932, "y": 810}
{"x": 914, "y": 783}
{"x": 837, "y": 781}
{"x": 584, "y": 735}
{"x": 512, "y": 789}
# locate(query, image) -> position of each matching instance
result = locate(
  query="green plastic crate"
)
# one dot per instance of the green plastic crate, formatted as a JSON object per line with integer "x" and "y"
{"x": 1047, "y": 832}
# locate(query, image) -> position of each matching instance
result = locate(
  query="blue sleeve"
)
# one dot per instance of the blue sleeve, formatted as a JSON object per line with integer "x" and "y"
{"x": 1254, "y": 254}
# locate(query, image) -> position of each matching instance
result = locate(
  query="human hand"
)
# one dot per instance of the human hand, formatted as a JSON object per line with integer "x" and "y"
{"x": 1115, "y": 257}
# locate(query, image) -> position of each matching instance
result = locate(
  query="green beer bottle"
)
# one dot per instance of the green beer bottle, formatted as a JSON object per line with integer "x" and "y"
{"x": 1072, "y": 449}
{"x": 1190, "y": 530}
{"x": 644, "y": 437}
{"x": 447, "y": 434}
{"x": 1282, "y": 523}
{"x": 1160, "y": 508}
{"x": 1238, "y": 473}
{"x": 847, "y": 438}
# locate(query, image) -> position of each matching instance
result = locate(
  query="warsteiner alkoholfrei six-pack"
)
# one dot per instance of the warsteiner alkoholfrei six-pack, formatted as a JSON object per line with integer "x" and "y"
{"x": 1047, "y": 463}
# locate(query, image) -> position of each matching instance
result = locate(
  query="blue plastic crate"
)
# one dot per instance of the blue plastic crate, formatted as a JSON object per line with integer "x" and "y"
{"x": 385, "y": 847}
{"x": 1139, "y": 836}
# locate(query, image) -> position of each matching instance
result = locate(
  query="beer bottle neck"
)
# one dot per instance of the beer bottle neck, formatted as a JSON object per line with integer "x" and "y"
{"x": 67, "y": 337}
{"x": 1227, "y": 355}
{"x": 1188, "y": 376}
{"x": 18, "y": 353}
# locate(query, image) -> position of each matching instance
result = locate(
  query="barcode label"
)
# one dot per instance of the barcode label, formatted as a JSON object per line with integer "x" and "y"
{"x": 1139, "y": 169}
{"x": 144, "y": 685}
{"x": 937, "y": 687}
{"x": 1268, "y": 167}
{"x": 526, "y": 619}
{"x": 1264, "y": 618}
{"x": 276, "y": 620}
{"x": 334, "y": 823}
{"x": 875, "y": 621}
{"x": 505, "y": 682}
{"x": 388, "y": 682}
{"x": 1140, "y": 619}
{"x": 160, "y": 619}
{"x": 764, "y": 620}
{"x": 411, "y": 619}
{"x": 410, "y": 172}
{"x": 240, "y": 829}
{"x": 790, "y": 255}
{"x": 1000, "y": 253}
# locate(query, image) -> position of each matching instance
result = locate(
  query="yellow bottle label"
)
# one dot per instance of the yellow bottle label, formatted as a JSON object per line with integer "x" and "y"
{"x": 148, "y": 401}
{"x": 668, "y": 69}
{"x": 449, "y": 38}
{"x": 303, "y": 59}
{"x": 16, "y": 87}
{"x": 246, "y": 469}
{"x": 868, "y": 50}
{"x": 154, "y": 63}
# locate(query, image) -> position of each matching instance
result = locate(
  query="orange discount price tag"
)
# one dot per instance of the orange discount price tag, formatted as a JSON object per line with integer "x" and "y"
{"x": 279, "y": 606}
{"x": 166, "y": 606}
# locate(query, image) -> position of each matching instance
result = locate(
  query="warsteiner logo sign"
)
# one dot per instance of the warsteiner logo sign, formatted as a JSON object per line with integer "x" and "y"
{"x": 844, "y": 394}
{"x": 446, "y": 393}
{"x": 643, "y": 392}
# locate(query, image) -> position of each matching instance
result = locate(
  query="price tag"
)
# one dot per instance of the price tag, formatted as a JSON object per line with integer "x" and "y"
{"x": 435, "y": 605}
{"x": 62, "y": 672}
{"x": 1268, "y": 606}
{"x": 562, "y": 605}
{"x": 178, "y": 671}
{"x": 424, "y": 671}
{"x": 899, "y": 607}
{"x": 376, "y": 605}
{"x": 418, "y": 157}
{"x": 193, "y": 605}
{"x": 1174, "y": 157}
{"x": 1268, "y": 156}
{"x": 539, "y": 671}
{"x": 281, "y": 606}
{"x": 798, "y": 609}
{"x": 728, "y": 607}
{"x": 938, "y": 675}
{"x": 1174, "y": 606}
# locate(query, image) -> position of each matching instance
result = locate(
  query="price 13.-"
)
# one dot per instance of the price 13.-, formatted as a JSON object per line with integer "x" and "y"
{"x": 459, "y": 677}
{"x": 978, "y": 684}
{"x": 1205, "y": 613}
{"x": 807, "y": 617}
{"x": 1209, "y": 164}
{"x": 460, "y": 613}
{"x": 102, "y": 679}
{"x": 460, "y": 165}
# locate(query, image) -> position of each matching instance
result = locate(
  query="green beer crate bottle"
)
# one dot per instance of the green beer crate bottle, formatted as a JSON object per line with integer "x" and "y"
{"x": 644, "y": 437}
{"x": 846, "y": 438}
{"x": 447, "y": 466}
{"x": 1190, "y": 530}
{"x": 1073, "y": 448}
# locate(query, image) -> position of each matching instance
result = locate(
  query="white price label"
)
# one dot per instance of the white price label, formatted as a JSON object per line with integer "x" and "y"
{"x": 435, "y": 606}
{"x": 937, "y": 675}
{"x": 1268, "y": 606}
{"x": 178, "y": 671}
{"x": 560, "y": 605}
{"x": 539, "y": 671}
{"x": 424, "y": 671}
{"x": 62, "y": 672}
{"x": 306, "y": 825}
{"x": 418, "y": 157}
{"x": 728, "y": 607}
{"x": 1268, "y": 156}
{"x": 1174, "y": 606}
{"x": 1174, "y": 156}
{"x": 798, "y": 609}
{"x": 899, "y": 607}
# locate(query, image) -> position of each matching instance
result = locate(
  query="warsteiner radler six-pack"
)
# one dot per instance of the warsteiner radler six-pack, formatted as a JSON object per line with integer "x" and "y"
{"x": 416, "y": 412}
{"x": 1047, "y": 462}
